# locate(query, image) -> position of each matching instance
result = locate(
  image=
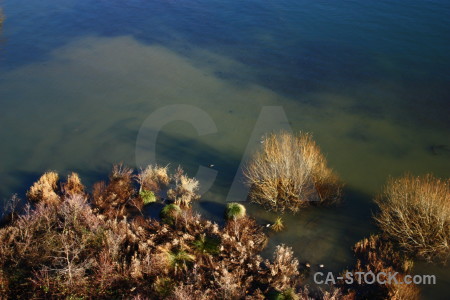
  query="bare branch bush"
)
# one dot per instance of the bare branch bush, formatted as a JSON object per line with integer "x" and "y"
{"x": 290, "y": 172}
{"x": 415, "y": 212}
{"x": 184, "y": 189}
{"x": 153, "y": 178}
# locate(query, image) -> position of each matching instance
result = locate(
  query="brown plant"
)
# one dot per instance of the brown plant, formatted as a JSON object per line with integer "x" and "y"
{"x": 153, "y": 178}
{"x": 114, "y": 198}
{"x": 45, "y": 189}
{"x": 73, "y": 186}
{"x": 290, "y": 172}
{"x": 377, "y": 255}
{"x": 184, "y": 189}
{"x": 284, "y": 272}
{"x": 415, "y": 212}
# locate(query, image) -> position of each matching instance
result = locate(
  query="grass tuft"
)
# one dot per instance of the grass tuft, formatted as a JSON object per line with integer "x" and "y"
{"x": 235, "y": 211}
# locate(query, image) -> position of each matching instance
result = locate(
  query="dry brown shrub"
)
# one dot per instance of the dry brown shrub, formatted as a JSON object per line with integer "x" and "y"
{"x": 284, "y": 272}
{"x": 376, "y": 255}
{"x": 184, "y": 189}
{"x": 153, "y": 178}
{"x": 45, "y": 189}
{"x": 290, "y": 172}
{"x": 73, "y": 186}
{"x": 190, "y": 292}
{"x": 114, "y": 199}
{"x": 231, "y": 283}
{"x": 415, "y": 212}
{"x": 336, "y": 294}
{"x": 244, "y": 236}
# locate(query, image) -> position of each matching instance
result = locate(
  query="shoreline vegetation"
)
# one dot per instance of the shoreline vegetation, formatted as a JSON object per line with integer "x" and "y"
{"x": 69, "y": 243}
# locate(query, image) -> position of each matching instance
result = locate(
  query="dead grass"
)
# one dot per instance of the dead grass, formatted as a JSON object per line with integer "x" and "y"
{"x": 290, "y": 172}
{"x": 415, "y": 212}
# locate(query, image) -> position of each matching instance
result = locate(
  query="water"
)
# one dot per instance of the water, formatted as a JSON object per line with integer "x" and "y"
{"x": 370, "y": 80}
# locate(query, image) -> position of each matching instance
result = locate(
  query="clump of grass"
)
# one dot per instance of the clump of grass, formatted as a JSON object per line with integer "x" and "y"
{"x": 179, "y": 259}
{"x": 288, "y": 294}
{"x": 170, "y": 213}
{"x": 207, "y": 245}
{"x": 235, "y": 211}
{"x": 164, "y": 286}
{"x": 415, "y": 212}
{"x": 290, "y": 172}
{"x": 278, "y": 225}
{"x": 45, "y": 189}
{"x": 147, "y": 197}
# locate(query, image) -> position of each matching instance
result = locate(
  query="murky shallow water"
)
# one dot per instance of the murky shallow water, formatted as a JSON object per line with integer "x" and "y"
{"x": 75, "y": 97}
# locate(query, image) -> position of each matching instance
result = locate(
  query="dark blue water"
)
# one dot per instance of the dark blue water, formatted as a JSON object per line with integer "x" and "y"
{"x": 370, "y": 79}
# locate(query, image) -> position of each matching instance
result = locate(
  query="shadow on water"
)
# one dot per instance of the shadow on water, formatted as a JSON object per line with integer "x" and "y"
{"x": 190, "y": 154}
{"x": 216, "y": 210}
{"x": 22, "y": 181}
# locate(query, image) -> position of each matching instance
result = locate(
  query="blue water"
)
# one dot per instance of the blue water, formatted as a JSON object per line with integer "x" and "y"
{"x": 370, "y": 79}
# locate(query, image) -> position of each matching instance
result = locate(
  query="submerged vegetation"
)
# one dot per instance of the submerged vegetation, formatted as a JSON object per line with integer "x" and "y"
{"x": 290, "y": 172}
{"x": 415, "y": 212}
